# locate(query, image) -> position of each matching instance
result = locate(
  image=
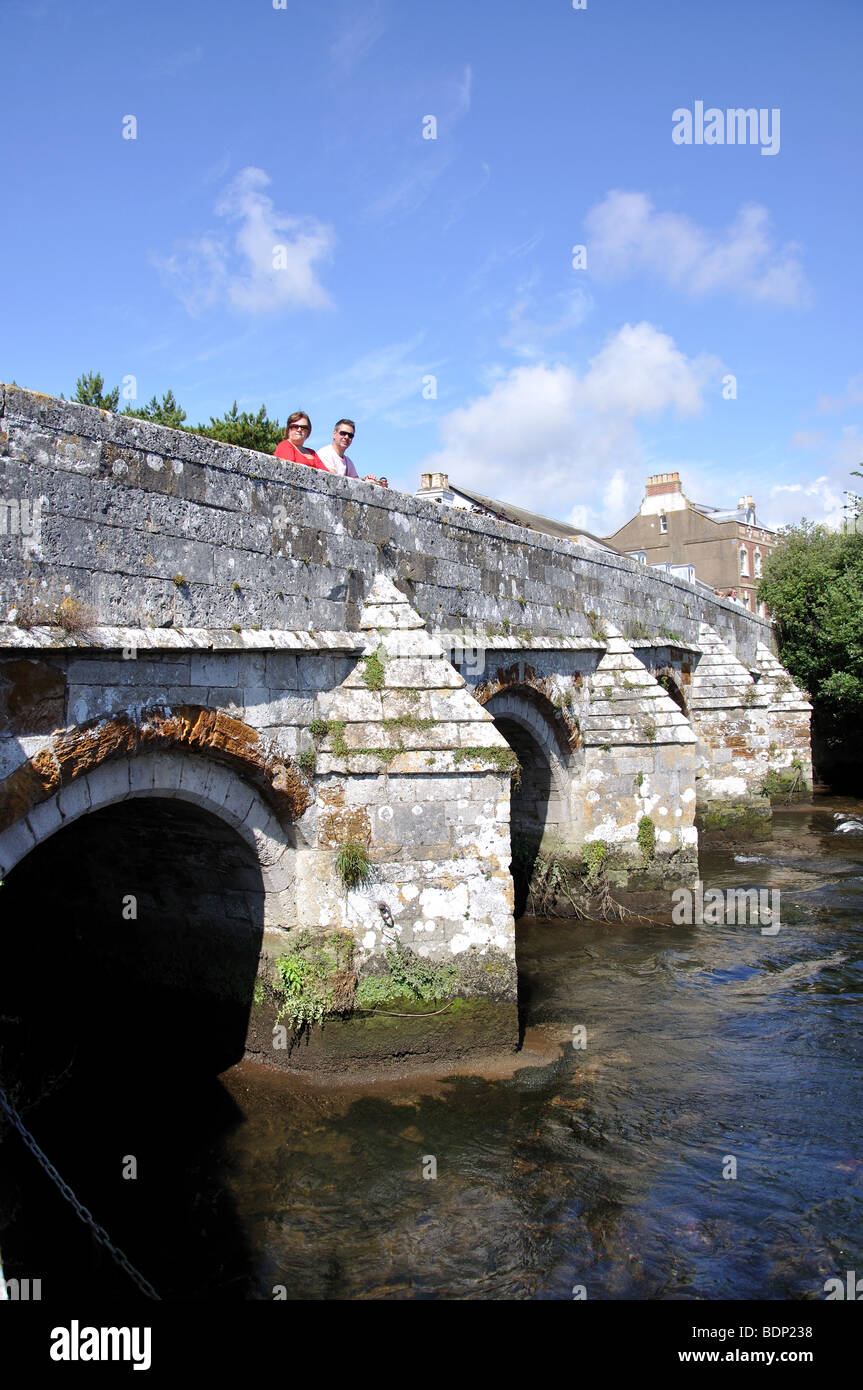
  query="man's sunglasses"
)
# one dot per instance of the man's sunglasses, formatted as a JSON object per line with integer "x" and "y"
{"x": 346, "y": 434}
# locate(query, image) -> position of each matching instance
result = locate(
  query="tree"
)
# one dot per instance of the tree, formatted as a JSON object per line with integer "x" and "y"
{"x": 248, "y": 431}
{"x": 813, "y": 585}
{"x": 89, "y": 390}
{"x": 164, "y": 412}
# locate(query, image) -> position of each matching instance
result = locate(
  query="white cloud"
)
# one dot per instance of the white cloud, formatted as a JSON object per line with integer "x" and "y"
{"x": 626, "y": 234}
{"x": 267, "y": 264}
{"x": 823, "y": 497}
{"x": 547, "y": 438}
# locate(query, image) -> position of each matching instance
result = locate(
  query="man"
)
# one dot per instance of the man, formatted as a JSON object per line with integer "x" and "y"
{"x": 335, "y": 455}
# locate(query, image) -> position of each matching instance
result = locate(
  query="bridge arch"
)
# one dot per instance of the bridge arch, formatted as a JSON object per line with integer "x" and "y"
{"x": 541, "y": 805}
{"x": 215, "y": 789}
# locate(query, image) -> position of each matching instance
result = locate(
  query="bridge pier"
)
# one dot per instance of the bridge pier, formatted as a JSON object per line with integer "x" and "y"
{"x": 730, "y": 715}
{"x": 639, "y": 771}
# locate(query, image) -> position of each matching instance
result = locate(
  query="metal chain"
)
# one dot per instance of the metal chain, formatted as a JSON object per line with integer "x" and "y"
{"x": 99, "y": 1232}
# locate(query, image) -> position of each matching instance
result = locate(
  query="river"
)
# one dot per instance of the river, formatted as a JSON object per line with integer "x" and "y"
{"x": 607, "y": 1169}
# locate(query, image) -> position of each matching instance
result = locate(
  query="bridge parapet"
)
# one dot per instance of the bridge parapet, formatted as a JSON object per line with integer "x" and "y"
{"x": 145, "y": 526}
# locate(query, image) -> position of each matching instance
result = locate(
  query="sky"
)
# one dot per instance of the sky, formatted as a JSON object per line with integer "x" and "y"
{"x": 372, "y": 209}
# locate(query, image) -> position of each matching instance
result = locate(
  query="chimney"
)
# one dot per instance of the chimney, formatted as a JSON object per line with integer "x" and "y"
{"x": 434, "y": 482}
{"x": 741, "y": 503}
{"x": 750, "y": 503}
{"x": 663, "y": 483}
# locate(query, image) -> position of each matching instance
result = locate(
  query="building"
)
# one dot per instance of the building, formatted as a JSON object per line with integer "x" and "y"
{"x": 726, "y": 549}
{"x": 436, "y": 487}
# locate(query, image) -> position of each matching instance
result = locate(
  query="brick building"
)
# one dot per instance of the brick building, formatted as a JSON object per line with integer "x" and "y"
{"x": 726, "y": 548}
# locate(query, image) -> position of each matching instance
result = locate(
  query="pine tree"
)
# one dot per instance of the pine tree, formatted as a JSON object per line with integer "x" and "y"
{"x": 244, "y": 429}
{"x": 165, "y": 412}
{"x": 89, "y": 390}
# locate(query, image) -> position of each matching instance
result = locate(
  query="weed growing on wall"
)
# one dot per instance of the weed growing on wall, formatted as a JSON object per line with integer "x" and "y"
{"x": 373, "y": 669}
{"x": 407, "y": 976}
{"x": 353, "y": 865}
{"x": 317, "y": 979}
{"x": 647, "y": 837}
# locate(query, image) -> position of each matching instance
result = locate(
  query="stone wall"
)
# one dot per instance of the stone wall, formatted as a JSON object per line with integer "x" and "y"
{"x": 146, "y": 526}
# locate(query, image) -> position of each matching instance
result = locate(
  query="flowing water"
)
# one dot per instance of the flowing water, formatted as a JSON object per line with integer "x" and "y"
{"x": 708, "y": 1048}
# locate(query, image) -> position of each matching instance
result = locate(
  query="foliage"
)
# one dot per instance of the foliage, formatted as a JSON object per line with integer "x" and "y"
{"x": 593, "y": 857}
{"x": 89, "y": 390}
{"x": 408, "y": 721}
{"x": 248, "y": 431}
{"x": 319, "y": 728}
{"x": 649, "y": 731}
{"x": 373, "y": 669}
{"x": 317, "y": 978}
{"x": 813, "y": 585}
{"x": 163, "y": 412}
{"x": 306, "y": 759}
{"x": 647, "y": 837}
{"x": 501, "y": 759}
{"x": 353, "y": 865}
{"x": 408, "y": 976}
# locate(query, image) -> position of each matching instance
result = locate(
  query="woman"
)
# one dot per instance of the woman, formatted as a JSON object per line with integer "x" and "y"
{"x": 293, "y": 446}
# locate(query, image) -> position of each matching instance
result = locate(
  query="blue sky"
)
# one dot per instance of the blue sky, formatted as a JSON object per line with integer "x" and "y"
{"x": 407, "y": 258}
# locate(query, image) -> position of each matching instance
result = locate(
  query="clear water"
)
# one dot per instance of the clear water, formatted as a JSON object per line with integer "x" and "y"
{"x": 602, "y": 1168}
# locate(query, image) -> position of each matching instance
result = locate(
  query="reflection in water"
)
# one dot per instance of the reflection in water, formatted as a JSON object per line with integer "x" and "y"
{"x": 604, "y": 1167}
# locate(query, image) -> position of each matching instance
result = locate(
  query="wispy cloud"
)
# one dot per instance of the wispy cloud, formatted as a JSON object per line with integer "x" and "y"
{"x": 266, "y": 264}
{"x": 422, "y": 169}
{"x": 356, "y": 38}
{"x": 626, "y": 235}
{"x": 379, "y": 381}
{"x": 851, "y": 396}
{"x": 457, "y": 209}
{"x": 533, "y": 327}
{"x": 170, "y": 64}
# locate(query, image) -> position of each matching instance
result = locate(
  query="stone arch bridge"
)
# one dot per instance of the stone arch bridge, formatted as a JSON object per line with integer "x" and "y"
{"x": 250, "y": 655}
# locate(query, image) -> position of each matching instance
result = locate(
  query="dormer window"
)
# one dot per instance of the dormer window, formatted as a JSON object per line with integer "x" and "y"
{"x": 663, "y": 522}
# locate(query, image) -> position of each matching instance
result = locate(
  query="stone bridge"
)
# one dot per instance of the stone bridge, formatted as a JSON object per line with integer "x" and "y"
{"x": 218, "y": 669}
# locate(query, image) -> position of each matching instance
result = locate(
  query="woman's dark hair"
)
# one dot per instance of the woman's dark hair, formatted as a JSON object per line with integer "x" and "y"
{"x": 292, "y": 420}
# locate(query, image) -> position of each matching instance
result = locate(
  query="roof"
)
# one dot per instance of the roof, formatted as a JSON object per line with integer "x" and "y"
{"x": 505, "y": 511}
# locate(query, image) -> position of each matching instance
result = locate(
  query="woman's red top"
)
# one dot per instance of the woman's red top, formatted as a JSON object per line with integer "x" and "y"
{"x": 287, "y": 450}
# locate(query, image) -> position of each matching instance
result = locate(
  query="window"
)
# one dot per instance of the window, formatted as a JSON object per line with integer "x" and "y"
{"x": 663, "y": 522}
{"x": 757, "y": 561}
{"x": 744, "y": 562}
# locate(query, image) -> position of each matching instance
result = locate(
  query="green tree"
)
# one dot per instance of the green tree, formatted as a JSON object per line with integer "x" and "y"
{"x": 248, "y": 431}
{"x": 89, "y": 390}
{"x": 813, "y": 585}
{"x": 163, "y": 412}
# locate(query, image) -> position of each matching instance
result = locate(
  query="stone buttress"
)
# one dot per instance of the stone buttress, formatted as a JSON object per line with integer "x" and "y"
{"x": 730, "y": 713}
{"x": 409, "y": 767}
{"x": 639, "y": 767}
